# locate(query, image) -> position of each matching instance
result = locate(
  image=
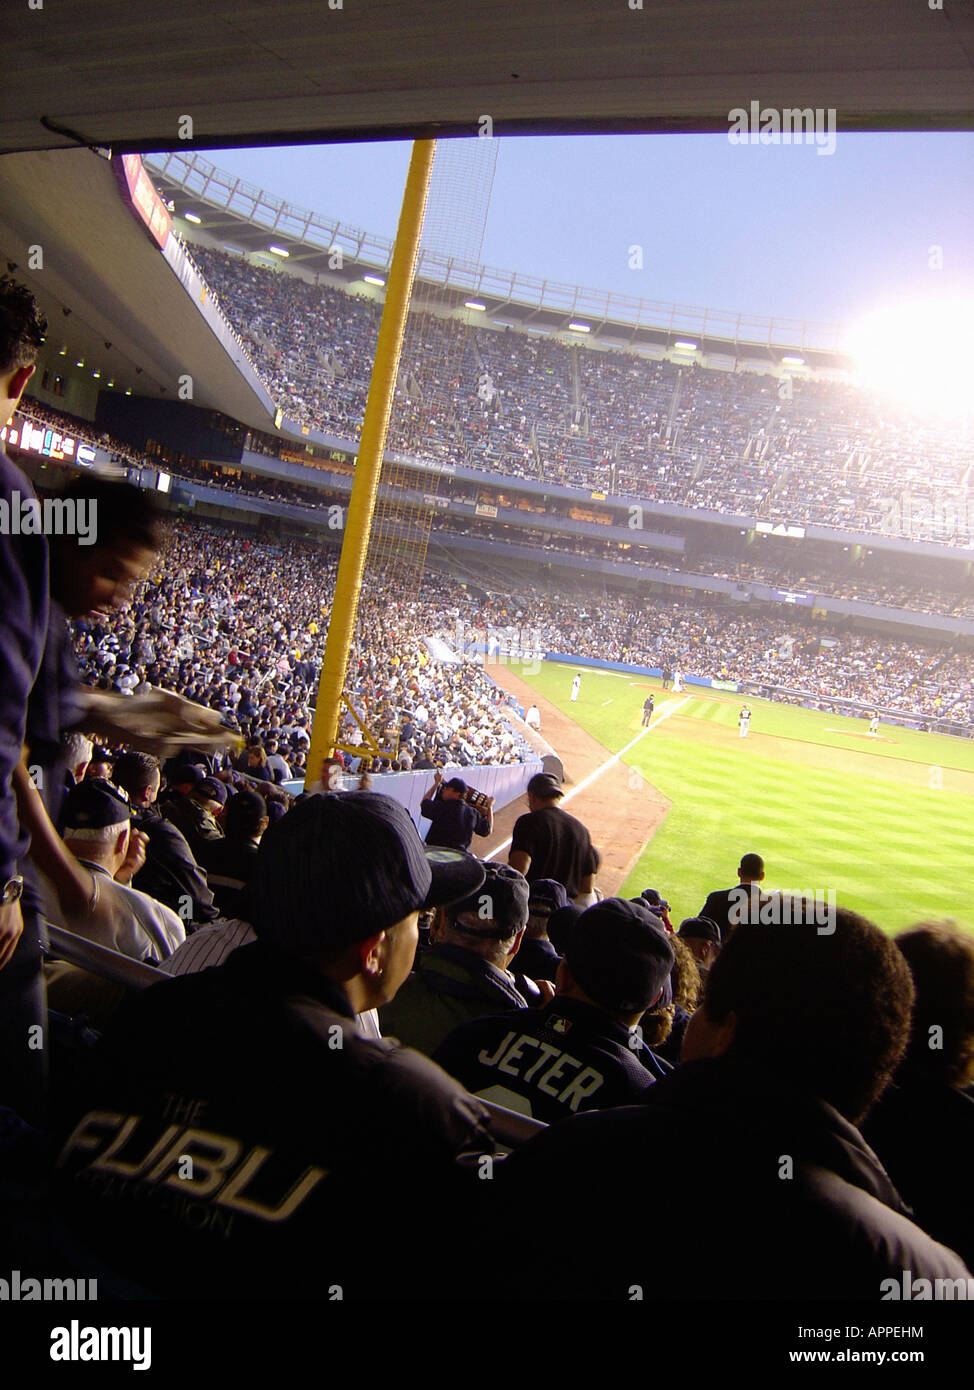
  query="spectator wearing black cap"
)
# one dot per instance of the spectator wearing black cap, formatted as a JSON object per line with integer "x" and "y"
{"x": 581, "y": 1051}
{"x": 310, "y": 1140}
{"x": 464, "y": 973}
{"x": 537, "y": 957}
{"x": 97, "y": 830}
{"x": 730, "y": 906}
{"x": 453, "y": 821}
{"x": 658, "y": 905}
{"x": 195, "y": 811}
{"x": 100, "y": 764}
{"x": 229, "y": 861}
{"x": 549, "y": 843}
{"x": 769, "y": 1100}
{"x": 170, "y": 872}
{"x": 702, "y": 936}
{"x": 923, "y": 1127}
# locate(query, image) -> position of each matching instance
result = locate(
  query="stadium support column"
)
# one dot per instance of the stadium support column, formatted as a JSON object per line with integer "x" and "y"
{"x": 361, "y": 505}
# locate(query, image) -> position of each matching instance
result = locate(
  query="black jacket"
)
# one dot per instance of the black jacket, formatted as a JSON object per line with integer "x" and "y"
{"x": 722, "y": 1184}
{"x": 307, "y": 1139}
{"x": 448, "y": 986}
{"x": 170, "y": 872}
{"x": 923, "y": 1131}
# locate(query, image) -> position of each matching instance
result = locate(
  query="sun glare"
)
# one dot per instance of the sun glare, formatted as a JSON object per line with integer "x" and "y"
{"x": 918, "y": 353}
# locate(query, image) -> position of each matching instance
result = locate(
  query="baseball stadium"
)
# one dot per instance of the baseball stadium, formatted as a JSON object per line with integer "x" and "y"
{"x": 412, "y": 664}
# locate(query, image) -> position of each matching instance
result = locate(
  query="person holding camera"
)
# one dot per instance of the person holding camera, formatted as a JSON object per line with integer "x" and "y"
{"x": 453, "y": 819}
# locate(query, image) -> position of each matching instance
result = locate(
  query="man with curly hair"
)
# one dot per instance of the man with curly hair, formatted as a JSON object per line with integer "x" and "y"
{"x": 798, "y": 1035}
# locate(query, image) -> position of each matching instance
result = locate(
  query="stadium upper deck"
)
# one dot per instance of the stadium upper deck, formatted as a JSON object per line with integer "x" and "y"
{"x": 612, "y": 421}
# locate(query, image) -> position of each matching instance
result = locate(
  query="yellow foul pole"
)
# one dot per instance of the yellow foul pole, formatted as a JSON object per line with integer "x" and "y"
{"x": 361, "y": 505}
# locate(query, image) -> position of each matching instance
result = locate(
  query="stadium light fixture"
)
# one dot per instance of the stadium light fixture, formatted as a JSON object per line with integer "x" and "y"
{"x": 63, "y": 352}
{"x": 128, "y": 391}
{"x": 682, "y": 345}
{"x": 96, "y": 375}
{"x": 472, "y": 304}
{"x": 192, "y": 217}
{"x": 80, "y": 362}
{"x": 793, "y": 361}
{"x": 580, "y": 327}
{"x": 279, "y": 251}
{"x": 374, "y": 280}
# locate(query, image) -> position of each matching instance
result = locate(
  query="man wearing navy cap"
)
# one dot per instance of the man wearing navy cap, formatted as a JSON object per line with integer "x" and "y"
{"x": 306, "y": 1140}
{"x": 582, "y": 1051}
{"x": 537, "y": 957}
{"x": 195, "y": 813}
{"x": 702, "y": 936}
{"x": 97, "y": 831}
{"x": 453, "y": 821}
{"x": 465, "y": 972}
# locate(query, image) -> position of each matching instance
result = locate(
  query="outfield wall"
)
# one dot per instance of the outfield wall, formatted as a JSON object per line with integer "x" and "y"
{"x": 593, "y": 663}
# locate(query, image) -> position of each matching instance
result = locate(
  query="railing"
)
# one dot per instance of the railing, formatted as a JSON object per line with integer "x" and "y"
{"x": 205, "y": 182}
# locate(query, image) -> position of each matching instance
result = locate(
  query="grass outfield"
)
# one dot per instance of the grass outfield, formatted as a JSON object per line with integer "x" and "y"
{"x": 887, "y": 822}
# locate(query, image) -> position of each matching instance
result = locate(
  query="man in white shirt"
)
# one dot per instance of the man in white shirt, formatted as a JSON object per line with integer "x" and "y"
{"x": 97, "y": 831}
{"x": 275, "y": 763}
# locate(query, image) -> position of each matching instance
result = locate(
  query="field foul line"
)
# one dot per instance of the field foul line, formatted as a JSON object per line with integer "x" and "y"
{"x": 604, "y": 767}
{"x": 607, "y": 702}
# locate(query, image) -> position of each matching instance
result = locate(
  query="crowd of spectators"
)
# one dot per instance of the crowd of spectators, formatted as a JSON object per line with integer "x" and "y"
{"x": 242, "y": 1125}
{"x": 238, "y": 624}
{"x": 530, "y": 406}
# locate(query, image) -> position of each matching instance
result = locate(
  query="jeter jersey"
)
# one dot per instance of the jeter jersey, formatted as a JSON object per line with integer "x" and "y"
{"x": 553, "y": 1062}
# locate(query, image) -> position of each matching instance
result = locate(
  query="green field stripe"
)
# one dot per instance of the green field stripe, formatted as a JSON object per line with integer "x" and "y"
{"x": 892, "y": 845}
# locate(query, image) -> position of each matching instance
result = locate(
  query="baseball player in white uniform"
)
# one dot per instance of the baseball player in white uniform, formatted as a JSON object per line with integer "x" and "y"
{"x": 744, "y": 720}
{"x": 576, "y": 686}
{"x": 874, "y": 724}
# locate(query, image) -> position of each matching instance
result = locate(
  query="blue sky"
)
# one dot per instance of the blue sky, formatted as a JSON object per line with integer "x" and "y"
{"x": 780, "y": 231}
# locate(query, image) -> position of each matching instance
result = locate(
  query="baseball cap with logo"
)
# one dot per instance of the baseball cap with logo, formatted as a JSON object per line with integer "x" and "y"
{"x": 497, "y": 908}
{"x": 343, "y": 866}
{"x": 95, "y": 804}
{"x": 618, "y": 952}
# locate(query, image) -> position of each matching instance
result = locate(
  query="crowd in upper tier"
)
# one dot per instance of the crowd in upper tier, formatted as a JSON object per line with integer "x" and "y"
{"x": 610, "y": 421}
